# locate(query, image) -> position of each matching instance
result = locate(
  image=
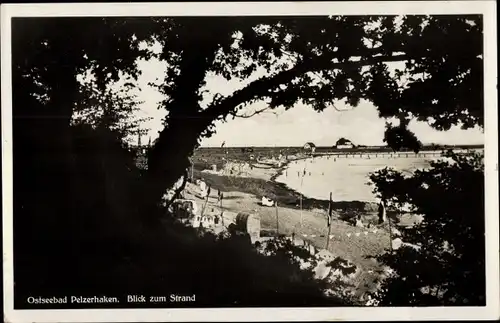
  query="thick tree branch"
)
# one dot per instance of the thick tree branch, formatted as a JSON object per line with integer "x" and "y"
{"x": 261, "y": 87}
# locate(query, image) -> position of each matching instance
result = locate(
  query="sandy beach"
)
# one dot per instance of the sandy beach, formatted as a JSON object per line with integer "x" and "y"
{"x": 309, "y": 180}
{"x": 347, "y": 241}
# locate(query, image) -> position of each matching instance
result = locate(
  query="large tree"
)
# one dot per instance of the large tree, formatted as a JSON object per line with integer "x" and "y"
{"x": 317, "y": 61}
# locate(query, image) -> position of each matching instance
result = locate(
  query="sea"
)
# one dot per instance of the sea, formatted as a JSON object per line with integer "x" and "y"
{"x": 346, "y": 177}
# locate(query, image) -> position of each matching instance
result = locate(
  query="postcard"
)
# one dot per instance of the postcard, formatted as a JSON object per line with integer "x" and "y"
{"x": 250, "y": 161}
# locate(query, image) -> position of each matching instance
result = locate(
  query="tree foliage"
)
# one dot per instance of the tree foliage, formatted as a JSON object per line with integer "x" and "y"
{"x": 47, "y": 55}
{"x": 318, "y": 60}
{"x": 399, "y": 138}
{"x": 449, "y": 267}
{"x": 109, "y": 108}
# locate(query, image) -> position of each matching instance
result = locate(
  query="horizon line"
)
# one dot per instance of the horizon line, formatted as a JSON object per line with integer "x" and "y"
{"x": 330, "y": 146}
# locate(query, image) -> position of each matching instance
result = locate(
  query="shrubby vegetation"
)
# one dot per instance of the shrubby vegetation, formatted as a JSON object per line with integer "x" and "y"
{"x": 449, "y": 267}
{"x": 112, "y": 108}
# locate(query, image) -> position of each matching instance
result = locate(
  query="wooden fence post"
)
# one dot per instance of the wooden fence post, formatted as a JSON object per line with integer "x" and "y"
{"x": 329, "y": 221}
{"x": 221, "y": 197}
{"x": 206, "y": 202}
{"x": 301, "y": 183}
{"x": 301, "y": 210}
{"x": 277, "y": 221}
{"x": 390, "y": 231}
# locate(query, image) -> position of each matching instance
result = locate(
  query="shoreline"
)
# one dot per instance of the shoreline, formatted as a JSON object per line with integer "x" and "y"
{"x": 358, "y": 245}
{"x": 315, "y": 201}
{"x": 284, "y": 195}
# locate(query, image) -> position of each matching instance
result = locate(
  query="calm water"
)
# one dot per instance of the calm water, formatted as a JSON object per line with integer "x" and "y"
{"x": 346, "y": 178}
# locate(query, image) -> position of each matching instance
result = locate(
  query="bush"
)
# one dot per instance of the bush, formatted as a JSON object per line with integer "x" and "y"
{"x": 449, "y": 269}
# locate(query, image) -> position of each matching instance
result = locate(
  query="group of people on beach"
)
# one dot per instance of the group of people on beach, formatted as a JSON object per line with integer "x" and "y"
{"x": 304, "y": 173}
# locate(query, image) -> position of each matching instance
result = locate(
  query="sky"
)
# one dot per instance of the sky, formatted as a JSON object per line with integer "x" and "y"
{"x": 293, "y": 127}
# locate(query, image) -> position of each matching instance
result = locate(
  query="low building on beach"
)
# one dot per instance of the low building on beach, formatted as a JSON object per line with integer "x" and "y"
{"x": 310, "y": 147}
{"x": 344, "y": 143}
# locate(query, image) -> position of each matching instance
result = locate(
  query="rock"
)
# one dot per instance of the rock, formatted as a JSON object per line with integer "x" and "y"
{"x": 169, "y": 195}
{"x": 397, "y": 243}
{"x": 359, "y": 224}
{"x": 324, "y": 255}
{"x": 395, "y": 232}
{"x": 414, "y": 246}
{"x": 339, "y": 274}
{"x": 321, "y": 271}
{"x": 418, "y": 218}
{"x": 304, "y": 264}
{"x": 387, "y": 272}
{"x": 406, "y": 208}
{"x": 371, "y": 301}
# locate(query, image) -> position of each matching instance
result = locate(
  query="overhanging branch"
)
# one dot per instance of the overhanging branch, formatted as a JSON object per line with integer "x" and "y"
{"x": 261, "y": 87}
{"x": 259, "y": 111}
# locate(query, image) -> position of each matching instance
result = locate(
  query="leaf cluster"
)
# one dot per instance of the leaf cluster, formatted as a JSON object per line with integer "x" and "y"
{"x": 448, "y": 268}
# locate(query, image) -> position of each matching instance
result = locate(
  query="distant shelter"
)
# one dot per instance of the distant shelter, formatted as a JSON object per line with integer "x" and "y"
{"x": 344, "y": 143}
{"x": 310, "y": 147}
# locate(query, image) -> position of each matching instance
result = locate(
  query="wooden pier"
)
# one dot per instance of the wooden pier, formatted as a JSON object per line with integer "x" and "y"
{"x": 367, "y": 154}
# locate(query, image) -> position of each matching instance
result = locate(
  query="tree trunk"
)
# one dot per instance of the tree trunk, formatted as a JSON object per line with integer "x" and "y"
{"x": 168, "y": 160}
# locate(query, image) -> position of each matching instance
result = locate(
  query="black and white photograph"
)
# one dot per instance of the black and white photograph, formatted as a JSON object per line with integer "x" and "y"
{"x": 255, "y": 161}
